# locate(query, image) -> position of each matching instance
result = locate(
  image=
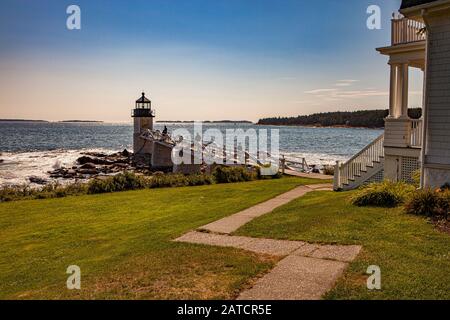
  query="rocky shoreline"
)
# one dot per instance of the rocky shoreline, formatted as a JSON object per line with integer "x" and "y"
{"x": 90, "y": 165}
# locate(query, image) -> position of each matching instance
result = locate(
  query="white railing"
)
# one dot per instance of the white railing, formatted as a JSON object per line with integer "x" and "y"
{"x": 358, "y": 165}
{"x": 405, "y": 30}
{"x": 416, "y": 133}
{"x": 294, "y": 164}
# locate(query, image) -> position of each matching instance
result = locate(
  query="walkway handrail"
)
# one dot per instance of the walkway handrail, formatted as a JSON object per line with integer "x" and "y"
{"x": 405, "y": 30}
{"x": 359, "y": 163}
{"x": 416, "y": 133}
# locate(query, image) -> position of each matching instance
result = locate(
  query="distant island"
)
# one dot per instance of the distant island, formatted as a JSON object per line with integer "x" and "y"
{"x": 21, "y": 120}
{"x": 84, "y": 121}
{"x": 352, "y": 119}
{"x": 207, "y": 121}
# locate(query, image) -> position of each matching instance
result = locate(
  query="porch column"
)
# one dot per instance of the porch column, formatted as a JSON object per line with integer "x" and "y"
{"x": 404, "y": 84}
{"x": 393, "y": 91}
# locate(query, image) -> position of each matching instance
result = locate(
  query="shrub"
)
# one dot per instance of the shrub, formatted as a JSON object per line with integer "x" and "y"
{"x": 167, "y": 180}
{"x": 100, "y": 186}
{"x": 385, "y": 194}
{"x": 121, "y": 182}
{"x": 233, "y": 174}
{"x": 429, "y": 203}
{"x": 328, "y": 170}
{"x": 415, "y": 176}
{"x": 12, "y": 193}
{"x": 128, "y": 181}
{"x": 446, "y": 186}
{"x": 199, "y": 180}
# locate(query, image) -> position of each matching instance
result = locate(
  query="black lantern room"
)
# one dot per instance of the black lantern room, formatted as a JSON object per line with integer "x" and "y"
{"x": 143, "y": 107}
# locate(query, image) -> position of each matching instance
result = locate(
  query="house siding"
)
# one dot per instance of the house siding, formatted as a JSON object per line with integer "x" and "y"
{"x": 438, "y": 138}
{"x": 438, "y": 98}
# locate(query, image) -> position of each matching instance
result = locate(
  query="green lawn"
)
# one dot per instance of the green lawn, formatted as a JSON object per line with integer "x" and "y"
{"x": 414, "y": 258}
{"x": 122, "y": 243}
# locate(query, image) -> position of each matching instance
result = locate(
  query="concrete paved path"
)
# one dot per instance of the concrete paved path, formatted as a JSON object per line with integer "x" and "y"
{"x": 232, "y": 223}
{"x": 306, "y": 272}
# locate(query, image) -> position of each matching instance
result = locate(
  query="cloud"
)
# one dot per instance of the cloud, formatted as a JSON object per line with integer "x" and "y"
{"x": 338, "y": 94}
{"x": 345, "y": 83}
{"x": 319, "y": 91}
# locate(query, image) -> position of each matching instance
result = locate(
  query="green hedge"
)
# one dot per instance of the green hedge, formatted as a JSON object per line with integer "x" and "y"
{"x": 129, "y": 181}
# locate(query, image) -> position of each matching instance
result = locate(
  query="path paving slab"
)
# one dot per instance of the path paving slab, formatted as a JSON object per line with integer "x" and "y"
{"x": 265, "y": 246}
{"x": 214, "y": 239}
{"x": 272, "y": 247}
{"x": 296, "y": 278}
{"x": 339, "y": 253}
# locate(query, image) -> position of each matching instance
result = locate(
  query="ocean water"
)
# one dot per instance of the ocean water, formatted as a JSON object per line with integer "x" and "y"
{"x": 33, "y": 148}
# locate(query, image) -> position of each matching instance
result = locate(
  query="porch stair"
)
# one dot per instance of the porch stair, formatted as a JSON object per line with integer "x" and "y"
{"x": 366, "y": 166}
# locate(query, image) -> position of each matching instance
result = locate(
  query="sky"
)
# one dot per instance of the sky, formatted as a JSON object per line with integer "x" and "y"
{"x": 195, "y": 59}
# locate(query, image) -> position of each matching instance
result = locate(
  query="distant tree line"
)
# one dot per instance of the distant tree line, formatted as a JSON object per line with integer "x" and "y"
{"x": 364, "y": 118}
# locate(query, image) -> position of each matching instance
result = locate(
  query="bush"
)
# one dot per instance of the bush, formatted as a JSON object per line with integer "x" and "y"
{"x": 129, "y": 181}
{"x": 233, "y": 174}
{"x": 100, "y": 186}
{"x": 415, "y": 176}
{"x": 13, "y": 193}
{"x": 385, "y": 194}
{"x": 328, "y": 170}
{"x": 167, "y": 180}
{"x": 121, "y": 182}
{"x": 199, "y": 180}
{"x": 429, "y": 203}
{"x": 446, "y": 186}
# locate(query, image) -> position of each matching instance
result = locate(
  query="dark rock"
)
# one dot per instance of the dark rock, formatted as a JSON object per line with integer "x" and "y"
{"x": 88, "y": 165}
{"x": 126, "y": 153}
{"x": 95, "y": 154}
{"x": 86, "y": 159}
{"x": 88, "y": 171}
{"x": 1, "y": 160}
{"x": 121, "y": 160}
{"x": 37, "y": 180}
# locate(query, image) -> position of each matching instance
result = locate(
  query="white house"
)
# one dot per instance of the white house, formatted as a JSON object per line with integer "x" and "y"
{"x": 420, "y": 39}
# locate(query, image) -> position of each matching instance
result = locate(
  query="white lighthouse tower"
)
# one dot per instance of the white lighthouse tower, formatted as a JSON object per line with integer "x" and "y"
{"x": 143, "y": 121}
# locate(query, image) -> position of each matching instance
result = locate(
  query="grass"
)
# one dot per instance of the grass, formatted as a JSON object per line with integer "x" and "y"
{"x": 413, "y": 256}
{"x": 122, "y": 243}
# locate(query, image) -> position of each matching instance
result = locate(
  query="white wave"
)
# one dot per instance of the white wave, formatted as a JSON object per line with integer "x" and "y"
{"x": 17, "y": 168}
{"x": 315, "y": 158}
